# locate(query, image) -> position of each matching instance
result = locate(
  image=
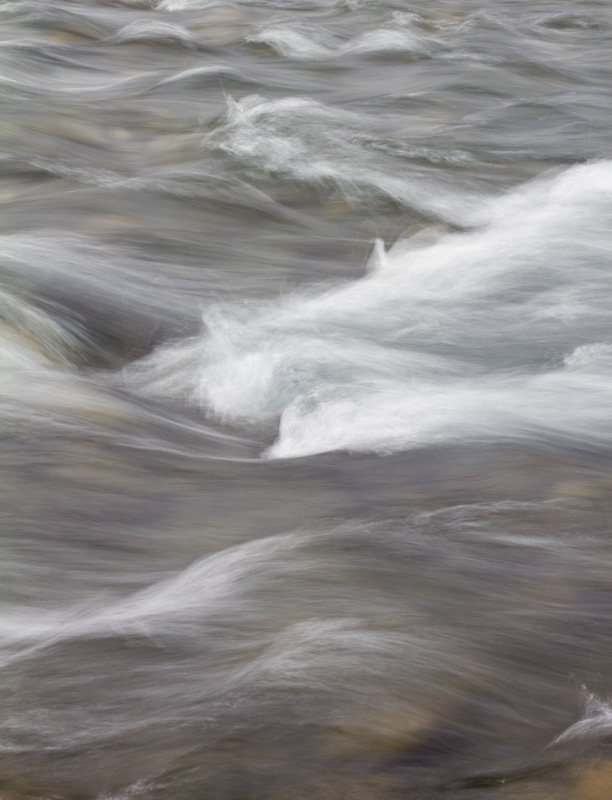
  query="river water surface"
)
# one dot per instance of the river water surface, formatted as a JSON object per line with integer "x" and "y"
{"x": 306, "y": 400}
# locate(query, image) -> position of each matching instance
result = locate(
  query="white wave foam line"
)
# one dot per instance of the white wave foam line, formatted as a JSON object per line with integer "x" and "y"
{"x": 501, "y": 333}
{"x": 262, "y": 600}
{"x": 212, "y": 70}
{"x": 192, "y": 5}
{"x": 145, "y": 30}
{"x": 305, "y": 42}
{"x": 304, "y": 140}
{"x": 596, "y": 721}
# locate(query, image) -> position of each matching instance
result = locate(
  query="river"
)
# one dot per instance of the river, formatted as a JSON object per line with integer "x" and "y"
{"x": 306, "y": 400}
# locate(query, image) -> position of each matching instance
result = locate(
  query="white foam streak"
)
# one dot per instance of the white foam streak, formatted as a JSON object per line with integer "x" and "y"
{"x": 305, "y": 140}
{"x": 154, "y": 31}
{"x": 298, "y": 41}
{"x": 484, "y": 335}
{"x": 304, "y": 42}
{"x": 596, "y": 722}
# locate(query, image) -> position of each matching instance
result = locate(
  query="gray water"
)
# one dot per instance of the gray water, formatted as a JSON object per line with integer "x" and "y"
{"x": 306, "y": 399}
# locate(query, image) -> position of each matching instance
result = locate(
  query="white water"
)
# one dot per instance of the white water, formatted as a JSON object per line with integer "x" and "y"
{"x": 307, "y": 141}
{"x": 502, "y": 332}
{"x": 307, "y": 42}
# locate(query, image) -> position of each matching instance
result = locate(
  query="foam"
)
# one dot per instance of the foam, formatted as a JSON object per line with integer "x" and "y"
{"x": 490, "y": 334}
{"x": 304, "y": 140}
{"x": 304, "y": 42}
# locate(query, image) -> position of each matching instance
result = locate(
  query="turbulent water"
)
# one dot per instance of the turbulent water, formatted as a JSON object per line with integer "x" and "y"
{"x": 306, "y": 400}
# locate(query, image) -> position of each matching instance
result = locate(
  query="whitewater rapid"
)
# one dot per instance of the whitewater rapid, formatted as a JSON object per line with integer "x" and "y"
{"x": 502, "y": 331}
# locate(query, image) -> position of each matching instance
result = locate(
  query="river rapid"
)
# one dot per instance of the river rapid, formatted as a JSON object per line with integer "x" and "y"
{"x": 306, "y": 400}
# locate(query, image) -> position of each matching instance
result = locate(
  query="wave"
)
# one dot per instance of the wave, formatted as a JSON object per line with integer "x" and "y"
{"x": 496, "y": 333}
{"x": 156, "y": 31}
{"x": 595, "y": 723}
{"x": 294, "y": 5}
{"x": 309, "y": 42}
{"x": 308, "y": 141}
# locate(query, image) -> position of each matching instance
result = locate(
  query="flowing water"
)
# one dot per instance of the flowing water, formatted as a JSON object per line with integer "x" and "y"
{"x": 306, "y": 394}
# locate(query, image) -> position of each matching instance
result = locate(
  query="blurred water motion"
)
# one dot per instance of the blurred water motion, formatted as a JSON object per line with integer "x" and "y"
{"x": 306, "y": 400}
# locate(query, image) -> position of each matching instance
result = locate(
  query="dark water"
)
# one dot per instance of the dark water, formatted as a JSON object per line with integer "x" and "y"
{"x": 306, "y": 400}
